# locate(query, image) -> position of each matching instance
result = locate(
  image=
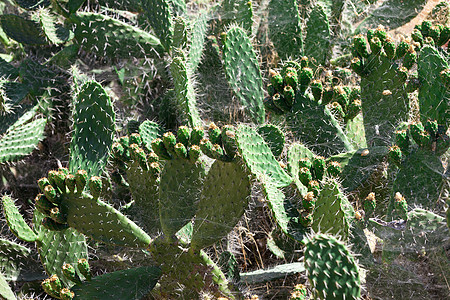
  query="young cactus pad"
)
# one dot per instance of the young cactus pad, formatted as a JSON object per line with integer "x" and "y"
{"x": 331, "y": 269}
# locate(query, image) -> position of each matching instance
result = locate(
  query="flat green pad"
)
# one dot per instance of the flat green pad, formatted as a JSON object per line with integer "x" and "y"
{"x": 120, "y": 285}
{"x": 274, "y": 138}
{"x": 58, "y": 247}
{"x": 384, "y": 103}
{"x": 5, "y": 291}
{"x": 243, "y": 73}
{"x": 149, "y": 131}
{"x": 108, "y": 37}
{"x": 420, "y": 179}
{"x": 259, "y": 158}
{"x": 277, "y": 272}
{"x": 16, "y": 222}
{"x": 22, "y": 30}
{"x": 94, "y": 127}
{"x": 181, "y": 184}
{"x": 393, "y": 13}
{"x": 284, "y": 213}
{"x": 18, "y": 263}
{"x": 331, "y": 269}
{"x": 21, "y": 138}
{"x": 184, "y": 93}
{"x": 333, "y": 213}
{"x": 316, "y": 127}
{"x": 359, "y": 165}
{"x": 434, "y": 98}
{"x": 144, "y": 191}
{"x": 224, "y": 198}
{"x": 102, "y": 222}
{"x": 318, "y": 37}
{"x": 285, "y": 30}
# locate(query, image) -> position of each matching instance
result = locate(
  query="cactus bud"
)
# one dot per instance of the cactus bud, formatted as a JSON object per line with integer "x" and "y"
{"x": 425, "y": 27}
{"x": 289, "y": 95}
{"x": 341, "y": 96}
{"x": 415, "y": 129}
{"x": 389, "y": 48}
{"x": 81, "y": 178}
{"x": 184, "y": 135}
{"x": 194, "y": 153}
{"x": 46, "y": 286}
{"x": 276, "y": 79}
{"x": 83, "y": 267}
{"x": 43, "y": 204}
{"x": 317, "y": 89}
{"x": 95, "y": 186}
{"x": 402, "y": 140}
{"x": 429, "y": 41}
{"x": 124, "y": 141}
{"x": 327, "y": 95}
{"x": 304, "y": 62}
{"x": 381, "y": 33}
{"x": 66, "y": 294}
{"x": 318, "y": 166}
{"x": 169, "y": 141}
{"x": 57, "y": 216}
{"x": 370, "y": 204}
{"x": 197, "y": 135}
{"x": 207, "y": 147}
{"x": 160, "y": 150}
{"x": 214, "y": 134}
{"x": 305, "y": 176}
{"x": 432, "y": 127}
{"x": 291, "y": 79}
{"x": 395, "y": 155}
{"x": 357, "y": 66}
{"x": 217, "y": 152}
{"x": 69, "y": 272}
{"x": 306, "y": 75}
{"x": 314, "y": 186}
{"x": 154, "y": 169}
{"x": 180, "y": 150}
{"x": 402, "y": 48}
{"x": 305, "y": 163}
{"x": 55, "y": 283}
{"x": 139, "y": 155}
{"x": 50, "y": 194}
{"x": 229, "y": 143}
{"x": 42, "y": 183}
{"x": 152, "y": 157}
{"x": 280, "y": 103}
{"x": 410, "y": 58}
{"x": 334, "y": 169}
{"x": 118, "y": 151}
{"x": 445, "y": 77}
{"x": 417, "y": 37}
{"x": 360, "y": 46}
{"x": 337, "y": 110}
{"x": 401, "y": 206}
{"x": 375, "y": 45}
{"x": 135, "y": 138}
{"x": 445, "y": 36}
{"x": 309, "y": 201}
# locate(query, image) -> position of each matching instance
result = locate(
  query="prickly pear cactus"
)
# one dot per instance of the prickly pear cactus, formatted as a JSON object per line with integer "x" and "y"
{"x": 332, "y": 270}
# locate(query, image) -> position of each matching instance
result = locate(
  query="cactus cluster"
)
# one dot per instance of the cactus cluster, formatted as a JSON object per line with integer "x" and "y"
{"x": 158, "y": 132}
